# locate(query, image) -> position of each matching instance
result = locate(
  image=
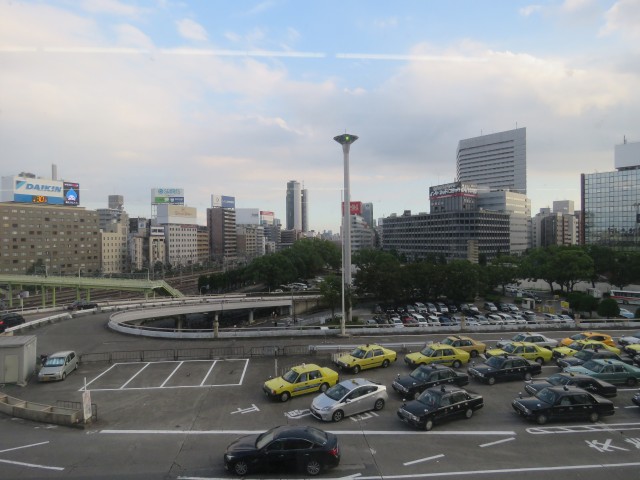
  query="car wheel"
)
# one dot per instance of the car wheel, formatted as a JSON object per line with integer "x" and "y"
{"x": 324, "y": 387}
{"x": 527, "y": 377}
{"x": 356, "y": 369}
{"x": 468, "y": 413}
{"x": 64, "y": 375}
{"x": 314, "y": 467}
{"x": 76, "y": 366}
{"x": 541, "y": 419}
{"x": 379, "y": 405}
{"x": 491, "y": 380}
{"x": 337, "y": 415}
{"x": 285, "y": 396}
{"x": 632, "y": 381}
{"x": 473, "y": 353}
{"x": 457, "y": 364}
{"x": 240, "y": 468}
{"x": 594, "y": 417}
{"x": 540, "y": 360}
{"x": 385, "y": 364}
{"x": 428, "y": 425}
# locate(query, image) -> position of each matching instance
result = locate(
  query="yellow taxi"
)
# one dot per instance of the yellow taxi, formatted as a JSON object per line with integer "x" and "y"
{"x": 597, "y": 336}
{"x": 366, "y": 356}
{"x": 301, "y": 379}
{"x": 438, "y": 353}
{"x": 528, "y": 350}
{"x": 575, "y": 347}
{"x": 468, "y": 344}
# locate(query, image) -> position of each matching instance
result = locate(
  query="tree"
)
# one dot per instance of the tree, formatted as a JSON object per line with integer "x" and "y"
{"x": 625, "y": 269}
{"x": 378, "y": 273}
{"x": 331, "y": 292}
{"x": 608, "y": 308}
{"x": 502, "y": 271}
{"x": 460, "y": 280}
{"x": 570, "y": 265}
{"x": 581, "y": 302}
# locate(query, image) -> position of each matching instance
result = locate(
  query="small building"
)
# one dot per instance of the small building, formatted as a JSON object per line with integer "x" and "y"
{"x": 17, "y": 358}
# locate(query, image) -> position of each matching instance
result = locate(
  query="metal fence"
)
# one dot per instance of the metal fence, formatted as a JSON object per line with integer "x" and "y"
{"x": 78, "y": 406}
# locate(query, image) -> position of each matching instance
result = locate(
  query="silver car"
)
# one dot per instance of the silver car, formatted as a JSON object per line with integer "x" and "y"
{"x": 58, "y": 365}
{"x": 349, "y": 397}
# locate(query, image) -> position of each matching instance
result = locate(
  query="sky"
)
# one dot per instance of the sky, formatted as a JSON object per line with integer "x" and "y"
{"x": 238, "y": 97}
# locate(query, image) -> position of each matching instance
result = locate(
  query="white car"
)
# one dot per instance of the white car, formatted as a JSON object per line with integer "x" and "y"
{"x": 630, "y": 339}
{"x": 537, "y": 338}
{"x": 626, "y": 313}
{"x": 495, "y": 319}
{"x": 58, "y": 365}
{"x": 349, "y": 397}
{"x": 396, "y": 322}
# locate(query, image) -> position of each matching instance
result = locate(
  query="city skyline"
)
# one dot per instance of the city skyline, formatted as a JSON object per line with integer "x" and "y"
{"x": 239, "y": 97}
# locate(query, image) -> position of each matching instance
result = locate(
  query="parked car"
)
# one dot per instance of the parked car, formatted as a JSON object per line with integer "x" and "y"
{"x": 630, "y": 339}
{"x": 636, "y": 399}
{"x": 364, "y": 357}
{"x": 283, "y": 448}
{"x": 624, "y": 313}
{"x": 437, "y": 353}
{"x": 301, "y": 379}
{"x": 468, "y": 344}
{"x": 513, "y": 308}
{"x": 578, "y": 345}
{"x": 612, "y": 371}
{"x": 530, "y": 351}
{"x": 530, "y": 316}
{"x": 426, "y": 376}
{"x": 503, "y": 307}
{"x": 82, "y": 305}
{"x": 490, "y": 307}
{"x": 536, "y": 338}
{"x": 442, "y": 308}
{"x": 58, "y": 365}
{"x": 505, "y": 367}
{"x": 586, "y": 354}
{"x": 597, "y": 336}
{"x": 438, "y": 404}
{"x": 563, "y": 403}
{"x": 349, "y": 397}
{"x": 495, "y": 319}
{"x": 11, "y": 319}
{"x": 585, "y": 382}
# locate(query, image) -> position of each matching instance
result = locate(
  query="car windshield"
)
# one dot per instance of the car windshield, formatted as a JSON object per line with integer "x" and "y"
{"x": 548, "y": 396}
{"x": 578, "y": 336}
{"x": 264, "y": 439}
{"x": 291, "y": 376}
{"x": 494, "y": 362}
{"x": 428, "y": 352}
{"x": 448, "y": 341}
{"x": 419, "y": 374}
{"x": 558, "y": 380}
{"x": 519, "y": 338}
{"x": 337, "y": 392}
{"x": 585, "y": 354}
{"x": 510, "y": 348}
{"x": 593, "y": 366}
{"x": 429, "y": 398}
{"x": 54, "y": 362}
{"x": 576, "y": 346}
{"x": 358, "y": 353}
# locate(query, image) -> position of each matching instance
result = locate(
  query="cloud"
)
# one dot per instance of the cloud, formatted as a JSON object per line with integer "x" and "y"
{"x": 113, "y": 7}
{"x": 529, "y": 10}
{"x": 191, "y": 30}
{"x": 623, "y": 17}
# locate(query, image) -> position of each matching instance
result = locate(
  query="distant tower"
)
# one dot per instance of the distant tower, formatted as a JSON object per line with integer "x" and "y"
{"x": 294, "y": 206}
{"x": 305, "y": 209}
{"x": 498, "y": 160}
{"x": 116, "y": 202}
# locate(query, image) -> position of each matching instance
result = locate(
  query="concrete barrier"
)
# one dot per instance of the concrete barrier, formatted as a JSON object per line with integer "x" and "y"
{"x": 39, "y": 412}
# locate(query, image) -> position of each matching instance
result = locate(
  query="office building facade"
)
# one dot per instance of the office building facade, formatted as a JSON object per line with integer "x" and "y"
{"x": 297, "y": 207}
{"x": 498, "y": 160}
{"x": 611, "y": 202}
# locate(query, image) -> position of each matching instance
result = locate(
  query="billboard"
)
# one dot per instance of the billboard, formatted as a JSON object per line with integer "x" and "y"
{"x": 223, "y": 201}
{"x": 355, "y": 208}
{"x": 173, "y": 196}
{"x": 456, "y": 189}
{"x": 40, "y": 191}
{"x": 267, "y": 217}
{"x": 177, "y": 214}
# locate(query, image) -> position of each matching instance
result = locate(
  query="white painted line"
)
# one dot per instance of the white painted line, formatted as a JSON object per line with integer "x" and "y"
{"x": 598, "y": 427}
{"x": 244, "y": 370}
{"x": 337, "y": 432}
{"x": 136, "y": 374}
{"x": 103, "y": 373}
{"x": 423, "y": 460}
{"x": 120, "y": 389}
{"x": 171, "y": 374}
{"x": 208, "y": 372}
{"x": 497, "y": 442}
{"x": 32, "y": 465}
{"x": 24, "y": 446}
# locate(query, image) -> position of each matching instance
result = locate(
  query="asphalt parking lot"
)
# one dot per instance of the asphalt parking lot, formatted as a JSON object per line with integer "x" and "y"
{"x": 173, "y": 419}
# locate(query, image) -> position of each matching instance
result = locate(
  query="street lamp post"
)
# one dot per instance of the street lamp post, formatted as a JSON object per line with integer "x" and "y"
{"x": 346, "y": 140}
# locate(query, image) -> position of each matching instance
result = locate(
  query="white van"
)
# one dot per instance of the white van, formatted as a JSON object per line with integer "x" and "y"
{"x": 58, "y": 365}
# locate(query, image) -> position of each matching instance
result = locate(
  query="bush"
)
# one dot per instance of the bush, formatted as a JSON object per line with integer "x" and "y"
{"x": 608, "y": 308}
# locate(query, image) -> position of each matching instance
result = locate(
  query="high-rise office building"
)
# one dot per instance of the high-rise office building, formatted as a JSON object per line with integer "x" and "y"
{"x": 611, "y": 202}
{"x": 221, "y": 222}
{"x": 294, "y": 206}
{"x": 305, "y": 209}
{"x": 498, "y": 160}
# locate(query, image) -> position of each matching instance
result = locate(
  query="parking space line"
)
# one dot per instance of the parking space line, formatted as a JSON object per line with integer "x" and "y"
{"x": 423, "y": 460}
{"x": 209, "y": 373}
{"x": 136, "y": 374}
{"x": 497, "y": 442}
{"x": 103, "y": 373}
{"x": 32, "y": 465}
{"x": 171, "y": 374}
{"x": 23, "y": 446}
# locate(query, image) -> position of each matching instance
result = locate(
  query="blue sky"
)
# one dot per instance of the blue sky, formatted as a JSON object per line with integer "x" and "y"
{"x": 237, "y": 98}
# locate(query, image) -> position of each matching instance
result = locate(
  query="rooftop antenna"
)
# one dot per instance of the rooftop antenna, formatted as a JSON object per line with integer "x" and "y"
{"x": 624, "y": 139}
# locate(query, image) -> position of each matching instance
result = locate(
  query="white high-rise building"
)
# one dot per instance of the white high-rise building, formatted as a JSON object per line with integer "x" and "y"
{"x": 294, "y": 206}
{"x": 498, "y": 160}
